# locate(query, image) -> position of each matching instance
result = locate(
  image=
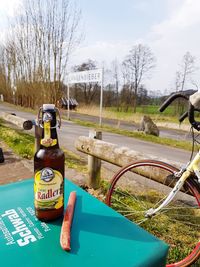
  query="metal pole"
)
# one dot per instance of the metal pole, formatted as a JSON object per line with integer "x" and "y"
{"x": 68, "y": 112}
{"x": 101, "y": 100}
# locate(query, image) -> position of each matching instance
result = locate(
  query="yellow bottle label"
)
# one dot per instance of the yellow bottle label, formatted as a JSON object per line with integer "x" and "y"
{"x": 47, "y": 131}
{"x": 47, "y": 141}
{"x": 48, "y": 189}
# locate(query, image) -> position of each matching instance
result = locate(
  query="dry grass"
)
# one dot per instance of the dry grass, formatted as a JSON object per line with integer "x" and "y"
{"x": 160, "y": 119}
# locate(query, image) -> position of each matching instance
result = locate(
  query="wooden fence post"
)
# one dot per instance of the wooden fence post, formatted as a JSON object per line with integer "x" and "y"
{"x": 94, "y": 164}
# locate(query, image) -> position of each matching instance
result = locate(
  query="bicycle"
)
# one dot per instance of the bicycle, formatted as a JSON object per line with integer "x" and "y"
{"x": 171, "y": 214}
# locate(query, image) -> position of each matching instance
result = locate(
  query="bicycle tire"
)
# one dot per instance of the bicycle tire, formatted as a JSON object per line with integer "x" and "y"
{"x": 189, "y": 208}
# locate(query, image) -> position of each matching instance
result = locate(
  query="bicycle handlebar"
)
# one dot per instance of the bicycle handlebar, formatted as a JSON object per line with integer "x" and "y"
{"x": 191, "y": 108}
{"x": 170, "y": 99}
{"x": 193, "y": 122}
{"x": 183, "y": 116}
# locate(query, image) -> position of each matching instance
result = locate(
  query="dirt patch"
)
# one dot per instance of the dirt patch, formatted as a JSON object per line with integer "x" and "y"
{"x": 14, "y": 168}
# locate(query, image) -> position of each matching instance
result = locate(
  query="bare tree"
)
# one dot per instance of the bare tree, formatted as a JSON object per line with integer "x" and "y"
{"x": 87, "y": 92}
{"x": 183, "y": 76}
{"x": 187, "y": 69}
{"x": 5, "y": 89}
{"x": 115, "y": 71}
{"x": 38, "y": 48}
{"x": 195, "y": 84}
{"x": 137, "y": 64}
{"x": 178, "y": 81}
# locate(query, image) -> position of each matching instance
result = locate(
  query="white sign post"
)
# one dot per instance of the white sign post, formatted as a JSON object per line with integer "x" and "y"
{"x": 88, "y": 76}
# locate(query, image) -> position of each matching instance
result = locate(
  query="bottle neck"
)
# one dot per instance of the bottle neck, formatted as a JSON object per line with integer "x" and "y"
{"x": 49, "y": 133}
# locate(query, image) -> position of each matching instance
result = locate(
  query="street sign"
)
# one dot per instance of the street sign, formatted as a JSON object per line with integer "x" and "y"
{"x": 87, "y": 76}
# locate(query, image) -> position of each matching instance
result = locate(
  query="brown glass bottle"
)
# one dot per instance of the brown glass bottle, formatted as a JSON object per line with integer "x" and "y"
{"x": 49, "y": 170}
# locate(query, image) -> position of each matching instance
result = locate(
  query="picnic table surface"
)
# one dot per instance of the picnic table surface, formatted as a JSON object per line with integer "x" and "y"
{"x": 100, "y": 236}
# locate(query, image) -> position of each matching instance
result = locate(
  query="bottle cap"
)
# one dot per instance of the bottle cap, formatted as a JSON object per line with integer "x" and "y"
{"x": 48, "y": 106}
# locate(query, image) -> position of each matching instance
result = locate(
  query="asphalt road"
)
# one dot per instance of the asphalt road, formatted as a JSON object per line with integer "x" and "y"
{"x": 130, "y": 126}
{"x": 70, "y": 131}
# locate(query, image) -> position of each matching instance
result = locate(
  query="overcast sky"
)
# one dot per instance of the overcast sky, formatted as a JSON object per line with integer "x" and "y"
{"x": 111, "y": 27}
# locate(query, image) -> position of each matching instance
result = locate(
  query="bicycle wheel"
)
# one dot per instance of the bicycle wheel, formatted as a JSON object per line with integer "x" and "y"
{"x": 135, "y": 189}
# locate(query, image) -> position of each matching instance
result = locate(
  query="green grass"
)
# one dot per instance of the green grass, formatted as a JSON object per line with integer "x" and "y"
{"x": 20, "y": 142}
{"x": 186, "y": 145}
{"x": 181, "y": 237}
{"x": 23, "y": 145}
{"x": 74, "y": 161}
{"x": 128, "y": 115}
{"x": 144, "y": 109}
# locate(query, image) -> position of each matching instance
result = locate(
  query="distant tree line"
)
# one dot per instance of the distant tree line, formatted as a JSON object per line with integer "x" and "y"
{"x": 34, "y": 57}
{"x": 34, "y": 63}
{"x": 132, "y": 71}
{"x": 125, "y": 86}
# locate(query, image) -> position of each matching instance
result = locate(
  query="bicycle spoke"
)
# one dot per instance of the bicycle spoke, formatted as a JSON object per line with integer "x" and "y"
{"x": 181, "y": 215}
{"x": 123, "y": 204}
{"x": 130, "y": 214}
{"x": 178, "y": 223}
{"x": 127, "y": 194}
{"x": 141, "y": 221}
{"x": 135, "y": 211}
{"x": 185, "y": 222}
{"x": 179, "y": 207}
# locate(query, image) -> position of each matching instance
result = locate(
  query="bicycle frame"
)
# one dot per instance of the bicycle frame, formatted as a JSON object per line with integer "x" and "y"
{"x": 192, "y": 167}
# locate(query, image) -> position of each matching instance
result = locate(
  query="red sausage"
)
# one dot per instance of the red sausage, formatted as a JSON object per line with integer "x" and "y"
{"x": 67, "y": 221}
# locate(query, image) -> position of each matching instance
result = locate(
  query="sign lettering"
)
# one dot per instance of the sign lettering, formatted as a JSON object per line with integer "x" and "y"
{"x": 87, "y": 76}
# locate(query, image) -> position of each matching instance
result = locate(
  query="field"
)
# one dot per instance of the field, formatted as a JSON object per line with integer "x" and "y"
{"x": 169, "y": 115}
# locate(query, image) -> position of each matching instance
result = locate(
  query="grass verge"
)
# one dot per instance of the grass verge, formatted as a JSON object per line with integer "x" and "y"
{"x": 74, "y": 161}
{"x": 23, "y": 145}
{"x": 186, "y": 145}
{"x": 111, "y": 112}
{"x": 172, "y": 224}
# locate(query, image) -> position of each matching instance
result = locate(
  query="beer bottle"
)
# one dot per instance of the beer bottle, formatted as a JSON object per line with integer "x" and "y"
{"x": 48, "y": 168}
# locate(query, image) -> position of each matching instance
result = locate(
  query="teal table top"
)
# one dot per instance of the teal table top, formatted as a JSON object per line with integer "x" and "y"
{"x": 100, "y": 236}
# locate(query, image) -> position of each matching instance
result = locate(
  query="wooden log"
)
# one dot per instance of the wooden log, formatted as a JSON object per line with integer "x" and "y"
{"x": 108, "y": 152}
{"x": 117, "y": 155}
{"x": 24, "y": 124}
{"x": 18, "y": 121}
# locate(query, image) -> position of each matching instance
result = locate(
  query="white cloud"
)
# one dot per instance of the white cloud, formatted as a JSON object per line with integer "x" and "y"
{"x": 8, "y": 11}
{"x": 169, "y": 41}
{"x": 172, "y": 38}
{"x": 186, "y": 16}
{"x": 10, "y": 7}
{"x": 102, "y": 51}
